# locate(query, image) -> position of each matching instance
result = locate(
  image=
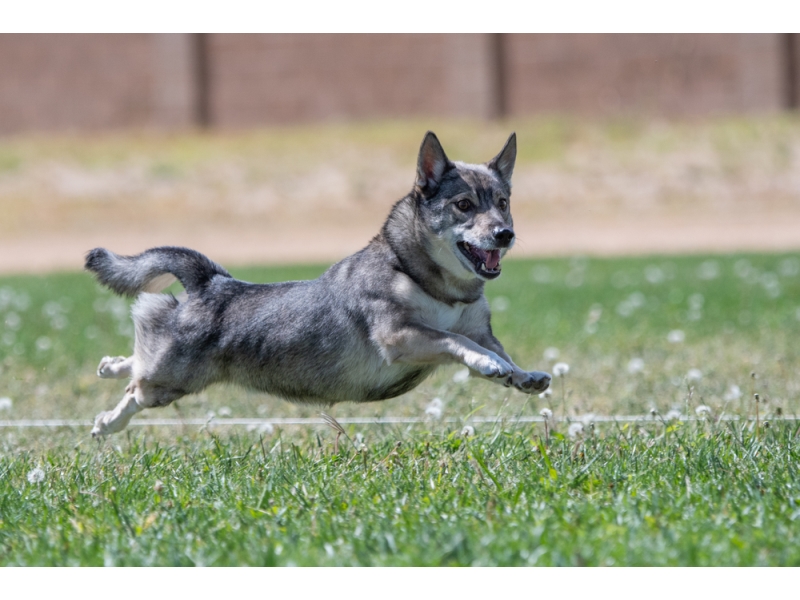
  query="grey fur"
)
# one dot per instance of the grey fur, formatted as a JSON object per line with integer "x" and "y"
{"x": 371, "y": 327}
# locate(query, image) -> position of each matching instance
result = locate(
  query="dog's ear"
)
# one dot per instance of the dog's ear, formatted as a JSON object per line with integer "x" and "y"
{"x": 503, "y": 163}
{"x": 431, "y": 164}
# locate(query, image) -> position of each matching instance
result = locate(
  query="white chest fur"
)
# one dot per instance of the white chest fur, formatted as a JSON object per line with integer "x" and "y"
{"x": 428, "y": 310}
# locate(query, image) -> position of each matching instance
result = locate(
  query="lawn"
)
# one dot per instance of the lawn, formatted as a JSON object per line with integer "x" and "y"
{"x": 681, "y": 343}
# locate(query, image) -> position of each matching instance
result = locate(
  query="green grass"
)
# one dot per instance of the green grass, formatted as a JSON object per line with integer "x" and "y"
{"x": 645, "y": 493}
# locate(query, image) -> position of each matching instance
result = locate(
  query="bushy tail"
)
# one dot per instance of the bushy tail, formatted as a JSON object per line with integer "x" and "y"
{"x": 152, "y": 270}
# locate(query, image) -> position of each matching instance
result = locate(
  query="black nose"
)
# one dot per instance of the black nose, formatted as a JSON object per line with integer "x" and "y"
{"x": 503, "y": 237}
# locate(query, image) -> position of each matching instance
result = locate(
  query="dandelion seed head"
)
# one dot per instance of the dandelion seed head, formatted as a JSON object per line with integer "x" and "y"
{"x": 733, "y": 393}
{"x": 461, "y": 376}
{"x": 560, "y": 369}
{"x": 635, "y": 365}
{"x": 224, "y": 411}
{"x": 551, "y": 354}
{"x": 654, "y": 274}
{"x": 575, "y": 430}
{"x": 587, "y": 419}
{"x": 702, "y": 410}
{"x": 434, "y": 408}
{"x": 36, "y": 475}
{"x": 468, "y": 431}
{"x": 694, "y": 375}
{"x": 546, "y": 413}
{"x": 6, "y": 403}
{"x": 500, "y": 304}
{"x": 547, "y": 393}
{"x": 158, "y": 486}
{"x": 673, "y": 415}
{"x": 676, "y": 336}
{"x": 708, "y": 270}
{"x": 44, "y": 344}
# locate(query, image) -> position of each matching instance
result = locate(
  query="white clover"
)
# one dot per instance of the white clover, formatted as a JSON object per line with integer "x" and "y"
{"x": 6, "y": 403}
{"x": 676, "y": 336}
{"x": 551, "y": 354}
{"x": 575, "y": 430}
{"x": 694, "y": 375}
{"x": 635, "y": 365}
{"x": 36, "y": 475}
{"x": 560, "y": 369}
{"x": 702, "y": 410}
{"x": 546, "y": 413}
{"x": 734, "y": 393}
{"x": 468, "y": 431}
{"x": 461, "y": 376}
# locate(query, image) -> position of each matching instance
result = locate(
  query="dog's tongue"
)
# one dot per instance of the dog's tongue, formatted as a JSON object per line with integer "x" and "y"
{"x": 492, "y": 259}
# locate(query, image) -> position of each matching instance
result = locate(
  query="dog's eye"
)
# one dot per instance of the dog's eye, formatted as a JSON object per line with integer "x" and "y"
{"x": 464, "y": 205}
{"x": 502, "y": 204}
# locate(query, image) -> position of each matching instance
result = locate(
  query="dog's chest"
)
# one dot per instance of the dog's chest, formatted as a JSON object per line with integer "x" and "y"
{"x": 428, "y": 310}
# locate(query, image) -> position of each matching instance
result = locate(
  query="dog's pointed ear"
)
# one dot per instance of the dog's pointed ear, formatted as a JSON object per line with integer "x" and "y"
{"x": 431, "y": 164}
{"x": 503, "y": 163}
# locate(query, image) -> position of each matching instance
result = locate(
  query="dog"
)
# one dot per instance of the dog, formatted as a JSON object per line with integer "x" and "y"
{"x": 372, "y": 327}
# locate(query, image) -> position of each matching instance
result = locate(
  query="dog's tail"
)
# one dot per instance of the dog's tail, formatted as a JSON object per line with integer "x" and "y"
{"x": 153, "y": 270}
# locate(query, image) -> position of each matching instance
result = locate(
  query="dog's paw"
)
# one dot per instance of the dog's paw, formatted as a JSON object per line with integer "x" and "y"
{"x": 104, "y": 424}
{"x": 534, "y": 382}
{"x": 492, "y": 366}
{"x": 106, "y": 369}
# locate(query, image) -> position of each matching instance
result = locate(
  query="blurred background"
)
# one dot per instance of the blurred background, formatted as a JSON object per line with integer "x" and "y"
{"x": 291, "y": 148}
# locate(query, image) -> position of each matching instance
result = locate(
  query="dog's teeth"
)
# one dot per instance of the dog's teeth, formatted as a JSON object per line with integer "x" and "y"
{"x": 483, "y": 266}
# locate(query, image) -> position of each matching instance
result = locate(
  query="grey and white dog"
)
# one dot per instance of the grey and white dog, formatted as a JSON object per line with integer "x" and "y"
{"x": 372, "y": 327}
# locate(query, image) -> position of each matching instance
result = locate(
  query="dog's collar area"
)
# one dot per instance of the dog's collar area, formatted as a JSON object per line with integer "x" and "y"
{"x": 485, "y": 262}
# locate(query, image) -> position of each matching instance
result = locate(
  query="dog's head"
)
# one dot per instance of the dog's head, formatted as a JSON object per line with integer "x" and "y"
{"x": 467, "y": 209}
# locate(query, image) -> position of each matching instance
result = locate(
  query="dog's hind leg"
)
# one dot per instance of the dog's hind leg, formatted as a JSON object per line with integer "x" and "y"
{"x": 115, "y": 367}
{"x": 139, "y": 394}
{"x": 112, "y": 421}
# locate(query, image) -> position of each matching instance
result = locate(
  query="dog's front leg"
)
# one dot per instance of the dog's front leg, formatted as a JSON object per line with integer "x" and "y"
{"x": 419, "y": 344}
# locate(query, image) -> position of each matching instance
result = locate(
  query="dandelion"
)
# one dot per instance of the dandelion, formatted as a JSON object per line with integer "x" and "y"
{"x": 654, "y": 274}
{"x": 500, "y": 304}
{"x": 541, "y": 274}
{"x": 36, "y": 475}
{"x": 653, "y": 412}
{"x": 702, "y": 410}
{"x": 673, "y": 415}
{"x": 575, "y": 430}
{"x": 635, "y": 365}
{"x": 158, "y": 486}
{"x": 468, "y": 431}
{"x": 5, "y": 403}
{"x": 546, "y": 394}
{"x": 546, "y": 413}
{"x": 461, "y": 376}
{"x": 789, "y": 267}
{"x": 551, "y": 354}
{"x": 676, "y": 336}
{"x": 434, "y": 408}
{"x": 43, "y": 344}
{"x": 708, "y": 270}
{"x": 587, "y": 419}
{"x": 13, "y": 321}
{"x": 224, "y": 411}
{"x": 560, "y": 369}
{"x": 694, "y": 375}
{"x": 733, "y": 393}
{"x": 265, "y": 428}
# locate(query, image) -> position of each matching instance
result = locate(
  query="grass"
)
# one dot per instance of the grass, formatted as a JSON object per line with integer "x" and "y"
{"x": 654, "y": 492}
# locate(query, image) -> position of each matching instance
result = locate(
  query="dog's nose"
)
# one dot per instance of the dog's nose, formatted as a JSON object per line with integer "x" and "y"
{"x": 503, "y": 237}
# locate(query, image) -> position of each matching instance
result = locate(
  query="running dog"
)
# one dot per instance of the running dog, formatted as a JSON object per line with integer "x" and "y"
{"x": 372, "y": 327}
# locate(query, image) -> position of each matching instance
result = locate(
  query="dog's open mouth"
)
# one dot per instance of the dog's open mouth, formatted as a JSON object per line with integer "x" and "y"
{"x": 486, "y": 262}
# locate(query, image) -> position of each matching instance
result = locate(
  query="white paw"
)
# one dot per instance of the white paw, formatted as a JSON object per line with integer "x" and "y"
{"x": 106, "y": 370}
{"x": 491, "y": 365}
{"x": 105, "y": 424}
